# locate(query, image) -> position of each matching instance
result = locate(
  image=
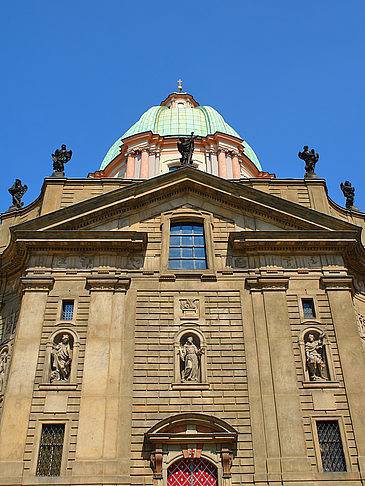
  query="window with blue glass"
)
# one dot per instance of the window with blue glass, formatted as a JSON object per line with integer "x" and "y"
{"x": 187, "y": 246}
{"x": 67, "y": 310}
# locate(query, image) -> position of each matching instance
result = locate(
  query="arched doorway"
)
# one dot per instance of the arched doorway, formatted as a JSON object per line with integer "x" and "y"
{"x": 192, "y": 472}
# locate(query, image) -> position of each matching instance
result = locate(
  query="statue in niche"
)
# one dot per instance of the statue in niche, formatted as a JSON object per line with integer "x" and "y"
{"x": 316, "y": 359}
{"x": 310, "y": 158}
{"x": 61, "y": 358}
{"x": 3, "y": 366}
{"x": 190, "y": 356}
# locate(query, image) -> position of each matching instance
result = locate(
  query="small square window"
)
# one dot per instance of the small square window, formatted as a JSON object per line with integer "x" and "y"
{"x": 308, "y": 309}
{"x": 67, "y": 310}
{"x": 50, "y": 450}
{"x": 330, "y": 445}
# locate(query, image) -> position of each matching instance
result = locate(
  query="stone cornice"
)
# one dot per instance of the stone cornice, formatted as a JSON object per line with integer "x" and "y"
{"x": 114, "y": 284}
{"x": 301, "y": 240}
{"x": 340, "y": 282}
{"x": 37, "y": 284}
{"x": 68, "y": 241}
{"x": 267, "y": 283}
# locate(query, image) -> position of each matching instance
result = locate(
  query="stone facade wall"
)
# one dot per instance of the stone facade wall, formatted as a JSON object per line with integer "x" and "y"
{"x": 153, "y": 396}
{"x": 321, "y": 401}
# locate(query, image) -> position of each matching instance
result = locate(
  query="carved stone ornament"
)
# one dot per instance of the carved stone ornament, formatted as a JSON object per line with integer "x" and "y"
{"x": 227, "y": 459}
{"x": 190, "y": 357}
{"x": 61, "y": 358}
{"x": 189, "y": 307}
{"x": 316, "y": 357}
{"x": 156, "y": 461}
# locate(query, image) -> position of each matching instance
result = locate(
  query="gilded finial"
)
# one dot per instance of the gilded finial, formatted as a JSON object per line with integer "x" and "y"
{"x": 179, "y": 87}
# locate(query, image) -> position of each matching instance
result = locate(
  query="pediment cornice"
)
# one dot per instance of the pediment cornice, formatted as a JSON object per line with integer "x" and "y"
{"x": 140, "y": 196}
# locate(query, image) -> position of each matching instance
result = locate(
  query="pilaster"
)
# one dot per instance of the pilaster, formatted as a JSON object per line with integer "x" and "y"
{"x": 130, "y": 166}
{"x": 144, "y": 164}
{"x": 222, "y": 165}
{"x": 19, "y": 391}
{"x": 351, "y": 352}
{"x": 99, "y": 419}
{"x": 278, "y": 381}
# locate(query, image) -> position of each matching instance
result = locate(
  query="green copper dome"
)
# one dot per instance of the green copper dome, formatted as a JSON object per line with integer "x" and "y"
{"x": 202, "y": 120}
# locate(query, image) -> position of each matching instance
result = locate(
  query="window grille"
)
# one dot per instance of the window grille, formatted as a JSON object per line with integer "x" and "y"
{"x": 187, "y": 246}
{"x": 308, "y": 308}
{"x": 67, "y": 310}
{"x": 333, "y": 458}
{"x": 192, "y": 472}
{"x": 50, "y": 450}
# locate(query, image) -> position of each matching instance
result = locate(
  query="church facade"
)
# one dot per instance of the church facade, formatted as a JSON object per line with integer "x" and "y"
{"x": 197, "y": 325}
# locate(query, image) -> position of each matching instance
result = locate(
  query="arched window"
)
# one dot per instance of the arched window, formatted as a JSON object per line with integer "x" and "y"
{"x": 192, "y": 472}
{"x": 187, "y": 246}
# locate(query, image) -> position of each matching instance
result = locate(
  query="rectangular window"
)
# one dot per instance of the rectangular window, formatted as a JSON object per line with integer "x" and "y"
{"x": 187, "y": 246}
{"x": 50, "y": 450}
{"x": 308, "y": 308}
{"x": 67, "y": 310}
{"x": 330, "y": 445}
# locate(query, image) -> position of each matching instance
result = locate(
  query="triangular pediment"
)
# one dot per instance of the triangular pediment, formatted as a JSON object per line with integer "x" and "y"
{"x": 248, "y": 208}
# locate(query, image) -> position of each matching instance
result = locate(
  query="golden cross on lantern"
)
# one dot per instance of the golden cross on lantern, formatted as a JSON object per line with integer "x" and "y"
{"x": 179, "y": 87}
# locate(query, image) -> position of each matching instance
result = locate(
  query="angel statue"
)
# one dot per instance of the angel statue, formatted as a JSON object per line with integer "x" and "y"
{"x": 349, "y": 193}
{"x": 310, "y": 158}
{"x": 186, "y": 149}
{"x": 60, "y": 158}
{"x": 17, "y": 191}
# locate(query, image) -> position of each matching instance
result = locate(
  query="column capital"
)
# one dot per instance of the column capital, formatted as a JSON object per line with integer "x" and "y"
{"x": 37, "y": 284}
{"x": 267, "y": 283}
{"x": 109, "y": 284}
{"x": 340, "y": 282}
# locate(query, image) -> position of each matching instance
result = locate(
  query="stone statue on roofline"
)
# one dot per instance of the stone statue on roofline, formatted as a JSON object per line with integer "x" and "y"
{"x": 186, "y": 149}
{"x": 17, "y": 191}
{"x": 60, "y": 158}
{"x": 310, "y": 158}
{"x": 349, "y": 193}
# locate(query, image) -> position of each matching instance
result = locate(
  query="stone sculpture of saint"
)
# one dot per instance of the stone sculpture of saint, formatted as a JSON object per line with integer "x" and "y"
{"x": 314, "y": 351}
{"x": 349, "y": 193}
{"x": 3, "y": 365}
{"x": 310, "y": 158}
{"x": 186, "y": 148}
{"x": 61, "y": 358}
{"x": 190, "y": 355}
{"x": 60, "y": 158}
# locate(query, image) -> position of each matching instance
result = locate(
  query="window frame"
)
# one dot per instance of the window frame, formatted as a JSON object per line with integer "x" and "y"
{"x": 181, "y": 259}
{"x": 65, "y": 322}
{"x": 341, "y": 426}
{"x": 187, "y": 216}
{"x": 37, "y": 443}
{"x": 302, "y": 297}
{"x": 309, "y": 299}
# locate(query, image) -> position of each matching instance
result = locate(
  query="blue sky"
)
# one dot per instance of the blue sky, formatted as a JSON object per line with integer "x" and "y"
{"x": 283, "y": 74}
